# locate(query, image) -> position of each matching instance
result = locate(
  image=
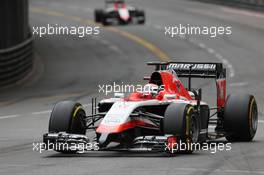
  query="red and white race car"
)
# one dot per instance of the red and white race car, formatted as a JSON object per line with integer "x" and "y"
{"x": 118, "y": 12}
{"x": 164, "y": 114}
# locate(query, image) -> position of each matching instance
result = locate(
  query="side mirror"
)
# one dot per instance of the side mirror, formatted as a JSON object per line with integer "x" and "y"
{"x": 170, "y": 96}
{"x": 192, "y": 94}
{"x": 119, "y": 95}
{"x": 199, "y": 97}
{"x": 146, "y": 78}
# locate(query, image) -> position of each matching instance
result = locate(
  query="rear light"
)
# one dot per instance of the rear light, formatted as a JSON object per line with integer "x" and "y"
{"x": 171, "y": 142}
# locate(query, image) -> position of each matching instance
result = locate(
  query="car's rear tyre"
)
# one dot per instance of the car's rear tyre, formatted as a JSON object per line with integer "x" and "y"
{"x": 98, "y": 15}
{"x": 240, "y": 117}
{"x": 181, "y": 121}
{"x": 105, "y": 20}
{"x": 67, "y": 116}
{"x": 141, "y": 14}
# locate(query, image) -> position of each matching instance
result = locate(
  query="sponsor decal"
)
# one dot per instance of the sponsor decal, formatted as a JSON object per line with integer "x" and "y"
{"x": 183, "y": 66}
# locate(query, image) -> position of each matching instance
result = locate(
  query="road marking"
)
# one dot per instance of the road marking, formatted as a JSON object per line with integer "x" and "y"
{"x": 59, "y": 97}
{"x": 151, "y": 47}
{"x": 201, "y": 45}
{"x": 217, "y": 55}
{"x": 105, "y": 42}
{"x": 86, "y": 105}
{"x": 41, "y": 112}
{"x": 10, "y": 116}
{"x": 47, "y": 12}
{"x": 74, "y": 18}
{"x": 114, "y": 48}
{"x": 160, "y": 54}
{"x": 36, "y": 113}
{"x": 219, "y": 170}
{"x": 238, "y": 84}
{"x": 210, "y": 50}
{"x": 158, "y": 27}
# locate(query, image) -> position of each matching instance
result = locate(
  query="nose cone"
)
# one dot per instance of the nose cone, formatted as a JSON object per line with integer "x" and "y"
{"x": 124, "y": 14}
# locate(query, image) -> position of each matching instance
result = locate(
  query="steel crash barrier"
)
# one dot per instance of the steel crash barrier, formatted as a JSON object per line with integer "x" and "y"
{"x": 257, "y": 3}
{"x": 252, "y": 4}
{"x": 16, "y": 43}
{"x": 16, "y": 62}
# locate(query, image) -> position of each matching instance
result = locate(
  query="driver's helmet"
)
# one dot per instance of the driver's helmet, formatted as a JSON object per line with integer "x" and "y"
{"x": 151, "y": 89}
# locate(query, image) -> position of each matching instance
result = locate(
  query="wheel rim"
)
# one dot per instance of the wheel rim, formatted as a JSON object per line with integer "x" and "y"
{"x": 194, "y": 131}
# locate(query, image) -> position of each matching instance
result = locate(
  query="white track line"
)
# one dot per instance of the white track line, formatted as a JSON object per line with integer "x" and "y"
{"x": 219, "y": 171}
{"x": 41, "y": 112}
{"x": 201, "y": 45}
{"x": 158, "y": 27}
{"x": 34, "y": 113}
{"x": 238, "y": 84}
{"x": 10, "y": 116}
{"x": 86, "y": 105}
{"x": 217, "y": 55}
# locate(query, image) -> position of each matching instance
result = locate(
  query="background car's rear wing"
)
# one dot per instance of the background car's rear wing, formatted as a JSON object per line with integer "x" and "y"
{"x": 114, "y": 1}
{"x": 193, "y": 69}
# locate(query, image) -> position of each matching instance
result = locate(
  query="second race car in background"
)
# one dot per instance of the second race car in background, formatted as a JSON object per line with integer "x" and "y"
{"x": 118, "y": 12}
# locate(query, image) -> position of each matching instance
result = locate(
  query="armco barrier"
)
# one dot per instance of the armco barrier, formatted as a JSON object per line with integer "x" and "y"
{"x": 256, "y": 3}
{"x": 251, "y": 4}
{"x": 16, "y": 62}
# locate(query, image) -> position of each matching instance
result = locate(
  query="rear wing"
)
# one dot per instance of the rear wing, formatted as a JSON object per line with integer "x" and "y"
{"x": 193, "y": 69}
{"x": 114, "y": 1}
{"x": 199, "y": 70}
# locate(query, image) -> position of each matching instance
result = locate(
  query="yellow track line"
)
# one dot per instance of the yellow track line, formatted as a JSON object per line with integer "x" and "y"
{"x": 151, "y": 47}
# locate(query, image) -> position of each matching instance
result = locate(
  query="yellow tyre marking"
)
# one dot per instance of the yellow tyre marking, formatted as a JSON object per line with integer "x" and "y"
{"x": 160, "y": 54}
{"x": 47, "y": 12}
{"x": 189, "y": 147}
{"x": 188, "y": 121}
{"x": 76, "y": 111}
{"x": 151, "y": 47}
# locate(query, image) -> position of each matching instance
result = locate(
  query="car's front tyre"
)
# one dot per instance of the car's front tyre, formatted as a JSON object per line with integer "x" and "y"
{"x": 67, "y": 116}
{"x": 181, "y": 121}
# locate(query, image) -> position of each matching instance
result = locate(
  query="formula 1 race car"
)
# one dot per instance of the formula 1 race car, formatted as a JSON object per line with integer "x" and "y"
{"x": 162, "y": 115}
{"x": 118, "y": 12}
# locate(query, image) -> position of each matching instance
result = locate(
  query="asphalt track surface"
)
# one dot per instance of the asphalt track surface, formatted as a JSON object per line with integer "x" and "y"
{"x": 69, "y": 67}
